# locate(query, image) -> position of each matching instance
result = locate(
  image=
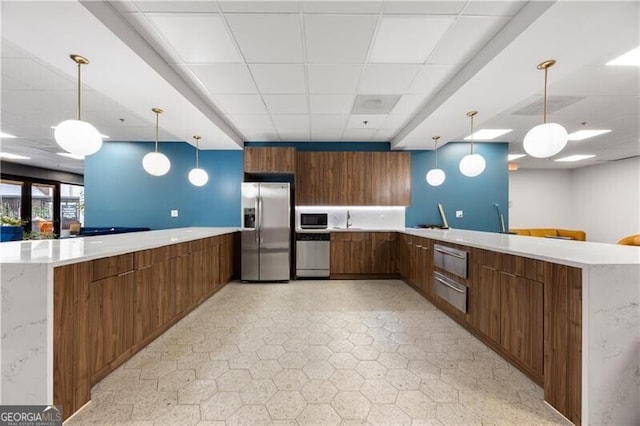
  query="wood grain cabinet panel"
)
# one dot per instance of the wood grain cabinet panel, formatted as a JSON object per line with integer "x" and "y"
{"x": 353, "y": 178}
{"x": 269, "y": 160}
{"x": 113, "y": 265}
{"x": 383, "y": 252}
{"x": 521, "y": 312}
{"x": 111, "y": 321}
{"x": 484, "y": 301}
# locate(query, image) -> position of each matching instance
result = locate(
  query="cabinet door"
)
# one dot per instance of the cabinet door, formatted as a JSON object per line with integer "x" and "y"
{"x": 383, "y": 252}
{"x": 484, "y": 301}
{"x": 227, "y": 248}
{"x": 269, "y": 160}
{"x": 339, "y": 253}
{"x": 146, "y": 310}
{"x": 521, "y": 309}
{"x": 197, "y": 274}
{"x": 212, "y": 265}
{"x": 359, "y": 253}
{"x": 426, "y": 268}
{"x": 111, "y": 301}
{"x": 181, "y": 279}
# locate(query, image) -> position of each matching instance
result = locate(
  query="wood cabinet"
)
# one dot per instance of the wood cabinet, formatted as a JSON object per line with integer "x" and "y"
{"x": 484, "y": 293}
{"x": 362, "y": 254}
{"x": 106, "y": 310}
{"x": 353, "y": 178}
{"x": 521, "y": 321}
{"x": 111, "y": 320}
{"x": 269, "y": 160}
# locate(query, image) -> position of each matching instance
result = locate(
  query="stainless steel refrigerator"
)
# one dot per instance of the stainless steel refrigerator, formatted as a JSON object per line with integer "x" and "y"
{"x": 265, "y": 232}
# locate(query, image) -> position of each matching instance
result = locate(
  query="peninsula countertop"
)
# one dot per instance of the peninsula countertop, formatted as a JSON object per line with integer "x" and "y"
{"x": 80, "y": 249}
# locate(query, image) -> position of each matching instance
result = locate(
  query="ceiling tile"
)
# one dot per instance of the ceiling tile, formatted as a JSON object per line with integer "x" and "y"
{"x": 241, "y": 104}
{"x": 493, "y": 8}
{"x": 456, "y": 48}
{"x": 286, "y": 104}
{"x": 395, "y": 121}
{"x": 374, "y": 104}
{"x": 174, "y": 6}
{"x": 294, "y": 134}
{"x": 358, "y": 134}
{"x": 387, "y": 78}
{"x": 337, "y": 38}
{"x": 10, "y": 50}
{"x": 331, "y": 79}
{"x": 331, "y": 104}
{"x": 198, "y": 38}
{"x": 425, "y": 7}
{"x": 408, "y": 104}
{"x": 328, "y": 135}
{"x": 10, "y": 83}
{"x": 225, "y": 78}
{"x": 429, "y": 78}
{"x": 279, "y": 78}
{"x": 342, "y": 6}
{"x": 260, "y": 6}
{"x": 261, "y": 135}
{"x": 328, "y": 121}
{"x": 37, "y": 75}
{"x": 290, "y": 121}
{"x": 268, "y": 38}
{"x": 373, "y": 121}
{"x": 408, "y": 39}
{"x": 251, "y": 121}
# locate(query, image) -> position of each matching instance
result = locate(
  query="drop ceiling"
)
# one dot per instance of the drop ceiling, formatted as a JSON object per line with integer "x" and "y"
{"x": 397, "y": 71}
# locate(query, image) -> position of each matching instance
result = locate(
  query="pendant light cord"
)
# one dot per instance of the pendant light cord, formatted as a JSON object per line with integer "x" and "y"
{"x": 157, "y": 118}
{"x": 79, "y": 98}
{"x": 197, "y": 150}
{"x": 472, "y": 134}
{"x": 435, "y": 138}
{"x": 544, "y": 111}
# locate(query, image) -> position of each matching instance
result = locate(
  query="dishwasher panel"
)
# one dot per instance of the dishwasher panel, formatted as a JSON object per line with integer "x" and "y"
{"x": 312, "y": 255}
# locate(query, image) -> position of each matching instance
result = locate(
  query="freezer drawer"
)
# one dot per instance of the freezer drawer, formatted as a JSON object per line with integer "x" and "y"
{"x": 452, "y": 291}
{"x": 450, "y": 259}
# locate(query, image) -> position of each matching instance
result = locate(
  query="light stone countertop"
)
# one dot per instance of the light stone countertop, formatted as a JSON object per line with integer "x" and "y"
{"x": 80, "y": 249}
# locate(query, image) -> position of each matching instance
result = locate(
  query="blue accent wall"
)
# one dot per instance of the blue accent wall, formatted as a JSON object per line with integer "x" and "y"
{"x": 474, "y": 196}
{"x": 118, "y": 192}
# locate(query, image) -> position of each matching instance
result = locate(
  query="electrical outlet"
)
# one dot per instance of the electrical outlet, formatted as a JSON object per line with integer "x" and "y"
{"x": 174, "y": 213}
{"x": 459, "y": 213}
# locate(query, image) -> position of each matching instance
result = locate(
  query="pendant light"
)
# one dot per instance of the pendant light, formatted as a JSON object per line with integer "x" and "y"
{"x": 76, "y": 136}
{"x": 198, "y": 176}
{"x": 435, "y": 177}
{"x": 472, "y": 164}
{"x": 156, "y": 163}
{"x": 546, "y": 139}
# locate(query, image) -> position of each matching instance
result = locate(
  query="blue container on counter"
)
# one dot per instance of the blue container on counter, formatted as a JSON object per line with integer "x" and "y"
{"x": 10, "y": 233}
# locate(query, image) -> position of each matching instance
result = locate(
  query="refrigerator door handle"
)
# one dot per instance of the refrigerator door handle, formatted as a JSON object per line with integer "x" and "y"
{"x": 260, "y": 215}
{"x": 257, "y": 222}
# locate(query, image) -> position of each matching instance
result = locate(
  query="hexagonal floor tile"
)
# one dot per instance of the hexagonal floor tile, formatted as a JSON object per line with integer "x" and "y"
{"x": 197, "y": 392}
{"x": 387, "y": 414}
{"x": 265, "y": 369}
{"x": 249, "y": 415}
{"x": 293, "y": 360}
{"x": 351, "y": 405}
{"x": 319, "y": 414}
{"x": 270, "y": 352}
{"x": 290, "y": 379}
{"x": 258, "y": 391}
{"x": 403, "y": 379}
{"x": 220, "y": 406}
{"x": 286, "y": 405}
{"x": 318, "y": 369}
{"x": 379, "y": 391}
{"x": 233, "y": 380}
{"x": 417, "y": 405}
{"x": 347, "y": 380}
{"x": 343, "y": 361}
{"x": 318, "y": 391}
{"x": 371, "y": 370}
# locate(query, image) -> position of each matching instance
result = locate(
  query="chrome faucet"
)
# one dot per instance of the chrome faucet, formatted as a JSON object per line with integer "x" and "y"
{"x": 348, "y": 219}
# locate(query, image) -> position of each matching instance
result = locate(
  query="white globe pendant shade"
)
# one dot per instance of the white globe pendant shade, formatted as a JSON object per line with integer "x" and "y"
{"x": 436, "y": 177}
{"x": 78, "y": 137}
{"x": 198, "y": 177}
{"x": 472, "y": 165}
{"x": 545, "y": 140}
{"x": 156, "y": 163}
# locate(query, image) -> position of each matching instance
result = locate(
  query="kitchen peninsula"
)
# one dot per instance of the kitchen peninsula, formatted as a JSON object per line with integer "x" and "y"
{"x": 583, "y": 298}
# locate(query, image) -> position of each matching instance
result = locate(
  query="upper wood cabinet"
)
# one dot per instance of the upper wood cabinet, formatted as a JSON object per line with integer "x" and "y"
{"x": 269, "y": 160}
{"x": 353, "y": 178}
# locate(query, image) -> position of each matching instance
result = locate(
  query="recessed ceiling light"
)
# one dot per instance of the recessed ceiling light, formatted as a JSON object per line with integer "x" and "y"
{"x": 631, "y": 58}
{"x": 512, "y": 157}
{"x": 487, "y": 134}
{"x": 575, "y": 158}
{"x": 103, "y": 136}
{"x": 6, "y": 135}
{"x": 584, "y": 134}
{"x": 13, "y": 156}
{"x": 74, "y": 156}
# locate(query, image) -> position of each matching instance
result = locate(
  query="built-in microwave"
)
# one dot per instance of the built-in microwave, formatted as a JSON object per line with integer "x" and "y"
{"x": 313, "y": 220}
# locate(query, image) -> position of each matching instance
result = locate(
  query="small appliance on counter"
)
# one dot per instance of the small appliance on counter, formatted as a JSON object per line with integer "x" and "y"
{"x": 266, "y": 232}
{"x": 313, "y": 220}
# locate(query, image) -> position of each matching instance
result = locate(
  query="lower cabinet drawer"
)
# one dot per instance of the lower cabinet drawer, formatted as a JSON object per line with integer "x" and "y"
{"x": 453, "y": 292}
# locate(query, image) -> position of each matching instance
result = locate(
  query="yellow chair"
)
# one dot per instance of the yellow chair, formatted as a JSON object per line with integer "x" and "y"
{"x": 551, "y": 232}
{"x": 631, "y": 240}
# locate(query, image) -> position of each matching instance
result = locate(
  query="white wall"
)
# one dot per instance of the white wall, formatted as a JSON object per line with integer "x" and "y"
{"x": 540, "y": 198}
{"x": 603, "y": 200}
{"x": 606, "y": 198}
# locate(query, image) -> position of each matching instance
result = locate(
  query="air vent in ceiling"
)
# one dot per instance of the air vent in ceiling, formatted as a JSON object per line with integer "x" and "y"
{"x": 554, "y": 103}
{"x": 374, "y": 104}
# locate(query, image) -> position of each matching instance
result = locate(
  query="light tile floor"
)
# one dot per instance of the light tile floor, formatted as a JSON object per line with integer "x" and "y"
{"x": 316, "y": 353}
